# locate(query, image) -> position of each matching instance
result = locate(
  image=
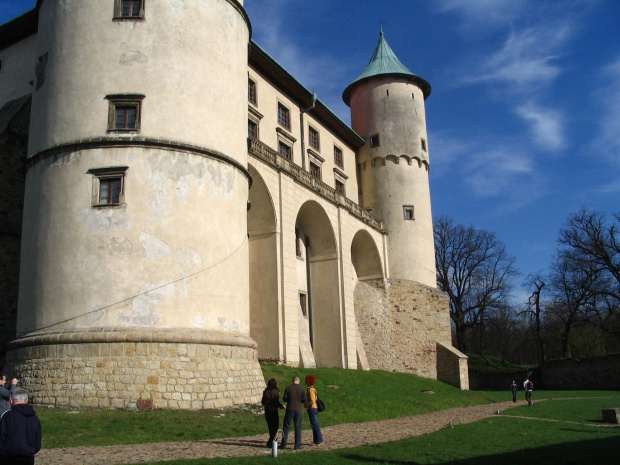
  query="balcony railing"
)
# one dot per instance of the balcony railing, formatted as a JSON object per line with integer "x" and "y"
{"x": 273, "y": 158}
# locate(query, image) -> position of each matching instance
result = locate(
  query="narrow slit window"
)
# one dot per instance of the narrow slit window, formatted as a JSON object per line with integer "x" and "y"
{"x": 408, "y": 212}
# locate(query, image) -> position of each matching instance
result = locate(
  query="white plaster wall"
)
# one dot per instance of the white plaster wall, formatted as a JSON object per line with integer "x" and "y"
{"x": 268, "y": 96}
{"x": 18, "y": 62}
{"x": 189, "y": 58}
{"x": 174, "y": 256}
{"x": 288, "y": 197}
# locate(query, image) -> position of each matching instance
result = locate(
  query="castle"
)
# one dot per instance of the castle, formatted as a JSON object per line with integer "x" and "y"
{"x": 190, "y": 209}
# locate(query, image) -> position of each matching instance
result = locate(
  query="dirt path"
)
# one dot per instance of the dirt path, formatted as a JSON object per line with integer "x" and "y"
{"x": 336, "y": 437}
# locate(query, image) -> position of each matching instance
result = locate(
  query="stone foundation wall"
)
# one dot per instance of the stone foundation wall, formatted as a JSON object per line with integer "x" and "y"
{"x": 400, "y": 325}
{"x": 128, "y": 370}
{"x": 452, "y": 366}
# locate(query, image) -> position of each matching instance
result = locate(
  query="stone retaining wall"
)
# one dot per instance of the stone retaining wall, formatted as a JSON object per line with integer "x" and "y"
{"x": 127, "y": 370}
{"x": 401, "y": 324}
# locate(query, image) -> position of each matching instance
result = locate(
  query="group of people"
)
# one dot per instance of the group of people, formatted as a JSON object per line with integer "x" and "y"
{"x": 295, "y": 397}
{"x": 20, "y": 429}
{"x": 528, "y": 386}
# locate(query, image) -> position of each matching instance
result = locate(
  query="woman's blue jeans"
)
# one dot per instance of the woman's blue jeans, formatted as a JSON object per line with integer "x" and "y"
{"x": 317, "y": 437}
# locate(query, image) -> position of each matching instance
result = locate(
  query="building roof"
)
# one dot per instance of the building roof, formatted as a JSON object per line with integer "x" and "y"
{"x": 385, "y": 63}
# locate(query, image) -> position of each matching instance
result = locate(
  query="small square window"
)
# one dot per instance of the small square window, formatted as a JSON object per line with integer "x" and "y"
{"x": 340, "y": 187}
{"x": 408, "y": 212}
{"x": 129, "y": 9}
{"x": 313, "y": 138}
{"x": 108, "y": 186}
{"x": 423, "y": 144}
{"x": 252, "y": 129}
{"x": 252, "y": 92}
{"x": 315, "y": 171}
{"x": 285, "y": 150}
{"x": 124, "y": 113}
{"x": 374, "y": 140}
{"x": 338, "y": 157}
{"x": 284, "y": 116}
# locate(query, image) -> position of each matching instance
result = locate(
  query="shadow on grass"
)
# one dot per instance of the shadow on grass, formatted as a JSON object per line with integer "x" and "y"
{"x": 573, "y": 453}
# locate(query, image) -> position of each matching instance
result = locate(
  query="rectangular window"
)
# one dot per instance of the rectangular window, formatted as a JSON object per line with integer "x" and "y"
{"x": 124, "y": 113}
{"x": 374, "y": 140}
{"x": 340, "y": 187}
{"x": 129, "y": 9}
{"x": 109, "y": 191}
{"x": 303, "y": 303}
{"x": 252, "y": 92}
{"x": 252, "y": 129}
{"x": 315, "y": 171}
{"x": 285, "y": 150}
{"x": 313, "y": 138}
{"x": 408, "y": 212}
{"x": 284, "y": 116}
{"x": 338, "y": 157}
{"x": 108, "y": 186}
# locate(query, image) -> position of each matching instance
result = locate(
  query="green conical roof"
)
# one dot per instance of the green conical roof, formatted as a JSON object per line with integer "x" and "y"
{"x": 384, "y": 62}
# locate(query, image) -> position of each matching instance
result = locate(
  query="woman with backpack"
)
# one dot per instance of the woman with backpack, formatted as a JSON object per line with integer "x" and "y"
{"x": 312, "y": 409}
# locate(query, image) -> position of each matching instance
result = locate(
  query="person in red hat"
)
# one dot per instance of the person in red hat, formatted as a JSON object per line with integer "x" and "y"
{"x": 312, "y": 409}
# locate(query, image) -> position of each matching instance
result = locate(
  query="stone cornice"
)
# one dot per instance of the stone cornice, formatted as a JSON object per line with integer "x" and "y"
{"x": 144, "y": 335}
{"x": 112, "y": 142}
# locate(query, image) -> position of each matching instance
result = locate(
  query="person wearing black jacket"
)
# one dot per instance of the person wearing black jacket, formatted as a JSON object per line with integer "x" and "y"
{"x": 271, "y": 401}
{"x": 5, "y": 394}
{"x": 20, "y": 431}
{"x": 295, "y": 398}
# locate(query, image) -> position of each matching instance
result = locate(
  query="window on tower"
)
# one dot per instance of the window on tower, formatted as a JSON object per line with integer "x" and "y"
{"x": 129, "y": 9}
{"x": 423, "y": 144}
{"x": 374, "y": 140}
{"x": 108, "y": 186}
{"x": 408, "y": 212}
{"x": 124, "y": 112}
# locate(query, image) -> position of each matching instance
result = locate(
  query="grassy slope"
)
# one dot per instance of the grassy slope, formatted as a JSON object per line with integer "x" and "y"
{"x": 350, "y": 395}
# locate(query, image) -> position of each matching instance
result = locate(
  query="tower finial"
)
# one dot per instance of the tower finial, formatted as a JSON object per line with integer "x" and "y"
{"x": 381, "y": 23}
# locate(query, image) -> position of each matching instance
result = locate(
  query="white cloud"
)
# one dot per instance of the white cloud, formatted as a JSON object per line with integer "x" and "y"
{"x": 526, "y": 60}
{"x": 608, "y": 139}
{"x": 546, "y": 125}
{"x": 486, "y": 14}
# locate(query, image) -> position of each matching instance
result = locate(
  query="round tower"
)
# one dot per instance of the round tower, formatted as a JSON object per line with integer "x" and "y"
{"x": 134, "y": 287}
{"x": 387, "y": 109}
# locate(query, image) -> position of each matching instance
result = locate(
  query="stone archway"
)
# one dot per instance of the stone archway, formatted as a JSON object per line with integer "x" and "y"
{"x": 318, "y": 276}
{"x": 263, "y": 253}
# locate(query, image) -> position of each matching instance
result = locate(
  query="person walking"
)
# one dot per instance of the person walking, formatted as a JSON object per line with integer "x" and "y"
{"x": 20, "y": 431}
{"x": 271, "y": 401}
{"x": 312, "y": 409}
{"x": 5, "y": 394}
{"x": 529, "y": 387}
{"x": 514, "y": 388}
{"x": 295, "y": 398}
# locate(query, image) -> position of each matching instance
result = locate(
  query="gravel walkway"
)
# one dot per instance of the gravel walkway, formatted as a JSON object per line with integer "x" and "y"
{"x": 336, "y": 437}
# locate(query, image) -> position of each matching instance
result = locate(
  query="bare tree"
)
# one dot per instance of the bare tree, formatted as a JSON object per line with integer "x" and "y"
{"x": 535, "y": 311}
{"x": 590, "y": 240}
{"x": 475, "y": 271}
{"x": 574, "y": 287}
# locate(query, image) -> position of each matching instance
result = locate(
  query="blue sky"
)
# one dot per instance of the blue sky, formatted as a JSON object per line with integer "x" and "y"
{"x": 524, "y": 115}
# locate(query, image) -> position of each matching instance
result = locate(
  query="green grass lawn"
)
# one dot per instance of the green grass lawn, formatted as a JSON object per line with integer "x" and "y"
{"x": 506, "y": 439}
{"x": 356, "y": 396}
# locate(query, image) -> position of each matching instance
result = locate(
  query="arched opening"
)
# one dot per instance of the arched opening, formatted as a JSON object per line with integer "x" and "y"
{"x": 365, "y": 257}
{"x": 318, "y": 279}
{"x": 263, "y": 241}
